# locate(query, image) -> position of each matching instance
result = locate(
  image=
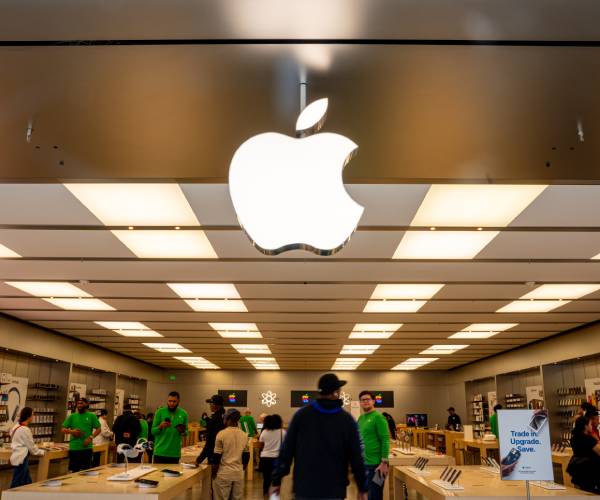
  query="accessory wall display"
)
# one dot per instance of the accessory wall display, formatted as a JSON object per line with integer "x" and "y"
{"x": 13, "y": 395}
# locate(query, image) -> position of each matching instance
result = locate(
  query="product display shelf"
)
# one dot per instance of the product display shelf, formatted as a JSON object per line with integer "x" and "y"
{"x": 97, "y": 399}
{"x": 568, "y": 401}
{"x": 479, "y": 415}
{"x": 514, "y": 401}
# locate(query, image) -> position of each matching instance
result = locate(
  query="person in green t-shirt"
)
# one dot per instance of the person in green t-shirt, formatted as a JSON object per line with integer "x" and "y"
{"x": 375, "y": 434}
{"x": 83, "y": 426}
{"x": 170, "y": 424}
{"x": 494, "y": 421}
{"x": 248, "y": 424}
{"x": 143, "y": 424}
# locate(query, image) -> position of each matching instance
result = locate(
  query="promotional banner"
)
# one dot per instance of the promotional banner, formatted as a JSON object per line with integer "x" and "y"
{"x": 525, "y": 448}
{"x": 13, "y": 397}
{"x": 535, "y": 397}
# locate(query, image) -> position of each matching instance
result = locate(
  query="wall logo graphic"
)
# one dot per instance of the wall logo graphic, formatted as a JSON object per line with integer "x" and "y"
{"x": 269, "y": 399}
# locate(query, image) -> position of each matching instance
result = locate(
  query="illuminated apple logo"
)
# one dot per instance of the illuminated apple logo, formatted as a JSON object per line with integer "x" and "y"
{"x": 289, "y": 193}
{"x": 305, "y": 398}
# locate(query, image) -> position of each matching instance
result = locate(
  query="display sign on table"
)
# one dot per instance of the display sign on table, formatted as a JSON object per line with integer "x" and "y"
{"x": 525, "y": 448}
{"x": 234, "y": 397}
{"x": 302, "y": 398}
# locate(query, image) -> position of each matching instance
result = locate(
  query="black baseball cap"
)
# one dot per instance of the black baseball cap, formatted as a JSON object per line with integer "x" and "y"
{"x": 329, "y": 383}
{"x": 216, "y": 399}
{"x": 451, "y": 408}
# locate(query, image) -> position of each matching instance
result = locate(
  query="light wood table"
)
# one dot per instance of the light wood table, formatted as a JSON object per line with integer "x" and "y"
{"x": 451, "y": 438}
{"x": 78, "y": 487}
{"x": 478, "y": 485}
{"x": 563, "y": 459}
{"x": 57, "y": 452}
{"x": 481, "y": 445}
{"x": 398, "y": 458}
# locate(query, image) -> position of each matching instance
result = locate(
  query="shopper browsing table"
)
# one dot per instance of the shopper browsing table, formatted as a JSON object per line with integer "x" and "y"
{"x": 454, "y": 422}
{"x": 170, "y": 424}
{"x": 228, "y": 470}
{"x": 22, "y": 444}
{"x": 322, "y": 440}
{"x": 375, "y": 435}
{"x": 83, "y": 426}
{"x": 127, "y": 429}
{"x": 214, "y": 425}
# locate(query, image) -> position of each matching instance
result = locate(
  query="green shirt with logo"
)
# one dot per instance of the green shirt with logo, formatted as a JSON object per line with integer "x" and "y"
{"x": 375, "y": 435}
{"x": 248, "y": 425}
{"x": 167, "y": 441}
{"x": 85, "y": 422}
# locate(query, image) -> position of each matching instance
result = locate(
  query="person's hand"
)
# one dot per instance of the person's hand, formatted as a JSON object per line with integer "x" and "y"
{"x": 87, "y": 441}
{"x": 362, "y": 495}
{"x": 76, "y": 432}
{"x": 164, "y": 424}
{"x": 181, "y": 428}
{"x": 383, "y": 469}
{"x": 276, "y": 490}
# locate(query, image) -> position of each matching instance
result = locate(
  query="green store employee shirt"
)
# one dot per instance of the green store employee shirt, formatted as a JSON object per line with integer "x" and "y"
{"x": 248, "y": 425}
{"x": 85, "y": 422}
{"x": 144, "y": 433}
{"x": 494, "y": 425}
{"x": 167, "y": 441}
{"x": 375, "y": 435}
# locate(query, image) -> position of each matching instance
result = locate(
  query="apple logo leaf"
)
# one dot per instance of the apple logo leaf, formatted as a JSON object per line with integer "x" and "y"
{"x": 312, "y": 118}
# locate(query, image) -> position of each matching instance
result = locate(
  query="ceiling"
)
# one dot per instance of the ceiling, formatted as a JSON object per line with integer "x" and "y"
{"x": 304, "y": 305}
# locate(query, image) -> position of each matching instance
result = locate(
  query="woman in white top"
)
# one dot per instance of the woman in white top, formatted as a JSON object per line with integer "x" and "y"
{"x": 22, "y": 445}
{"x": 105, "y": 436}
{"x": 270, "y": 441}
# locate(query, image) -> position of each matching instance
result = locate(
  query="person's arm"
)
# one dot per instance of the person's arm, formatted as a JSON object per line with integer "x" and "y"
{"x": 105, "y": 430}
{"x": 157, "y": 424}
{"x": 357, "y": 463}
{"x": 27, "y": 439}
{"x": 67, "y": 428}
{"x": 94, "y": 433}
{"x": 383, "y": 433}
{"x": 209, "y": 444}
{"x": 218, "y": 451}
{"x": 283, "y": 463}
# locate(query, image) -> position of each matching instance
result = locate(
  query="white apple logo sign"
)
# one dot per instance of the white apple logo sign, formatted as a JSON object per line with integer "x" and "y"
{"x": 289, "y": 194}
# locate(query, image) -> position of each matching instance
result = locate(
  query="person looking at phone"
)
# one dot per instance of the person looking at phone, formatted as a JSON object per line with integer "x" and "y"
{"x": 373, "y": 428}
{"x": 170, "y": 424}
{"x": 82, "y": 427}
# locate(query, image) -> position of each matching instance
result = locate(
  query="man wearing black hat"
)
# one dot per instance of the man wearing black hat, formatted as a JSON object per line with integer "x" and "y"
{"x": 454, "y": 422}
{"x": 214, "y": 424}
{"x": 322, "y": 440}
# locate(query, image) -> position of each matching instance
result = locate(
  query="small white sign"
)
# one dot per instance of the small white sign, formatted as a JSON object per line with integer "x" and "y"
{"x": 525, "y": 448}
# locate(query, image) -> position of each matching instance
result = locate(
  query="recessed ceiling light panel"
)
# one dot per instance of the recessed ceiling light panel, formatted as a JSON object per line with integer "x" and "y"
{"x": 443, "y": 244}
{"x": 49, "y": 288}
{"x": 167, "y": 244}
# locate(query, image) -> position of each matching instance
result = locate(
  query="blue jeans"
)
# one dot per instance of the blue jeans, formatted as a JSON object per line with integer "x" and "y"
{"x": 21, "y": 475}
{"x": 375, "y": 491}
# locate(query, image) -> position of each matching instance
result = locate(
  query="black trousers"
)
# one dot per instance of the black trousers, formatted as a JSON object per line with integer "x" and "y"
{"x": 266, "y": 467}
{"x": 158, "y": 459}
{"x": 80, "y": 459}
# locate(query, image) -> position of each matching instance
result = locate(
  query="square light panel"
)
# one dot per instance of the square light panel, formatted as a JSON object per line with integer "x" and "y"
{"x": 347, "y": 363}
{"x": 443, "y": 244}
{"x": 474, "y": 205}
{"x": 49, "y": 288}
{"x": 197, "y": 362}
{"x": 414, "y": 363}
{"x": 167, "y": 244}
{"x": 532, "y": 306}
{"x": 443, "y": 349}
{"x": 237, "y": 330}
{"x": 560, "y": 291}
{"x": 80, "y": 304}
{"x": 6, "y": 253}
{"x": 401, "y": 291}
{"x": 125, "y": 204}
{"x": 166, "y": 347}
{"x": 358, "y": 349}
{"x": 263, "y": 363}
{"x": 252, "y": 348}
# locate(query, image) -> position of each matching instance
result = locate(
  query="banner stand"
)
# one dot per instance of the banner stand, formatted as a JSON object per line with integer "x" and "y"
{"x": 527, "y": 490}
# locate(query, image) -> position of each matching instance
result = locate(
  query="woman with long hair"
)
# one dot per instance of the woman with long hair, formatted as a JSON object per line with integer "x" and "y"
{"x": 22, "y": 445}
{"x": 584, "y": 467}
{"x": 270, "y": 438}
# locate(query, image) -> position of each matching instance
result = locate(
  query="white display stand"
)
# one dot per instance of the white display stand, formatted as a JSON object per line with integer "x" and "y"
{"x": 132, "y": 474}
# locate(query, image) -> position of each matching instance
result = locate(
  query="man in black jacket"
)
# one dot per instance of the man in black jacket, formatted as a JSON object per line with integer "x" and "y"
{"x": 214, "y": 424}
{"x": 127, "y": 429}
{"x": 322, "y": 440}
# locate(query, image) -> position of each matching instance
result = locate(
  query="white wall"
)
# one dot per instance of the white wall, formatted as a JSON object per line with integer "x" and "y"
{"x": 425, "y": 392}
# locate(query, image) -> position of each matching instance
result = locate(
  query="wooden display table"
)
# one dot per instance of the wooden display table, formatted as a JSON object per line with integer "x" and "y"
{"x": 481, "y": 445}
{"x": 436, "y": 440}
{"x": 451, "y": 438}
{"x": 79, "y": 487}
{"x": 563, "y": 459}
{"x": 478, "y": 485}
{"x": 193, "y": 436}
{"x": 398, "y": 458}
{"x": 56, "y": 452}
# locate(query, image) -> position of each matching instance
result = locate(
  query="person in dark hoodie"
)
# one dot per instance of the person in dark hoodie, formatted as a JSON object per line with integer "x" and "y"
{"x": 322, "y": 440}
{"x": 214, "y": 425}
{"x": 127, "y": 429}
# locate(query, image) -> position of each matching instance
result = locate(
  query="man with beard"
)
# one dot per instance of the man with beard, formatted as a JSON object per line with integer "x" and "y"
{"x": 169, "y": 425}
{"x": 83, "y": 426}
{"x": 214, "y": 425}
